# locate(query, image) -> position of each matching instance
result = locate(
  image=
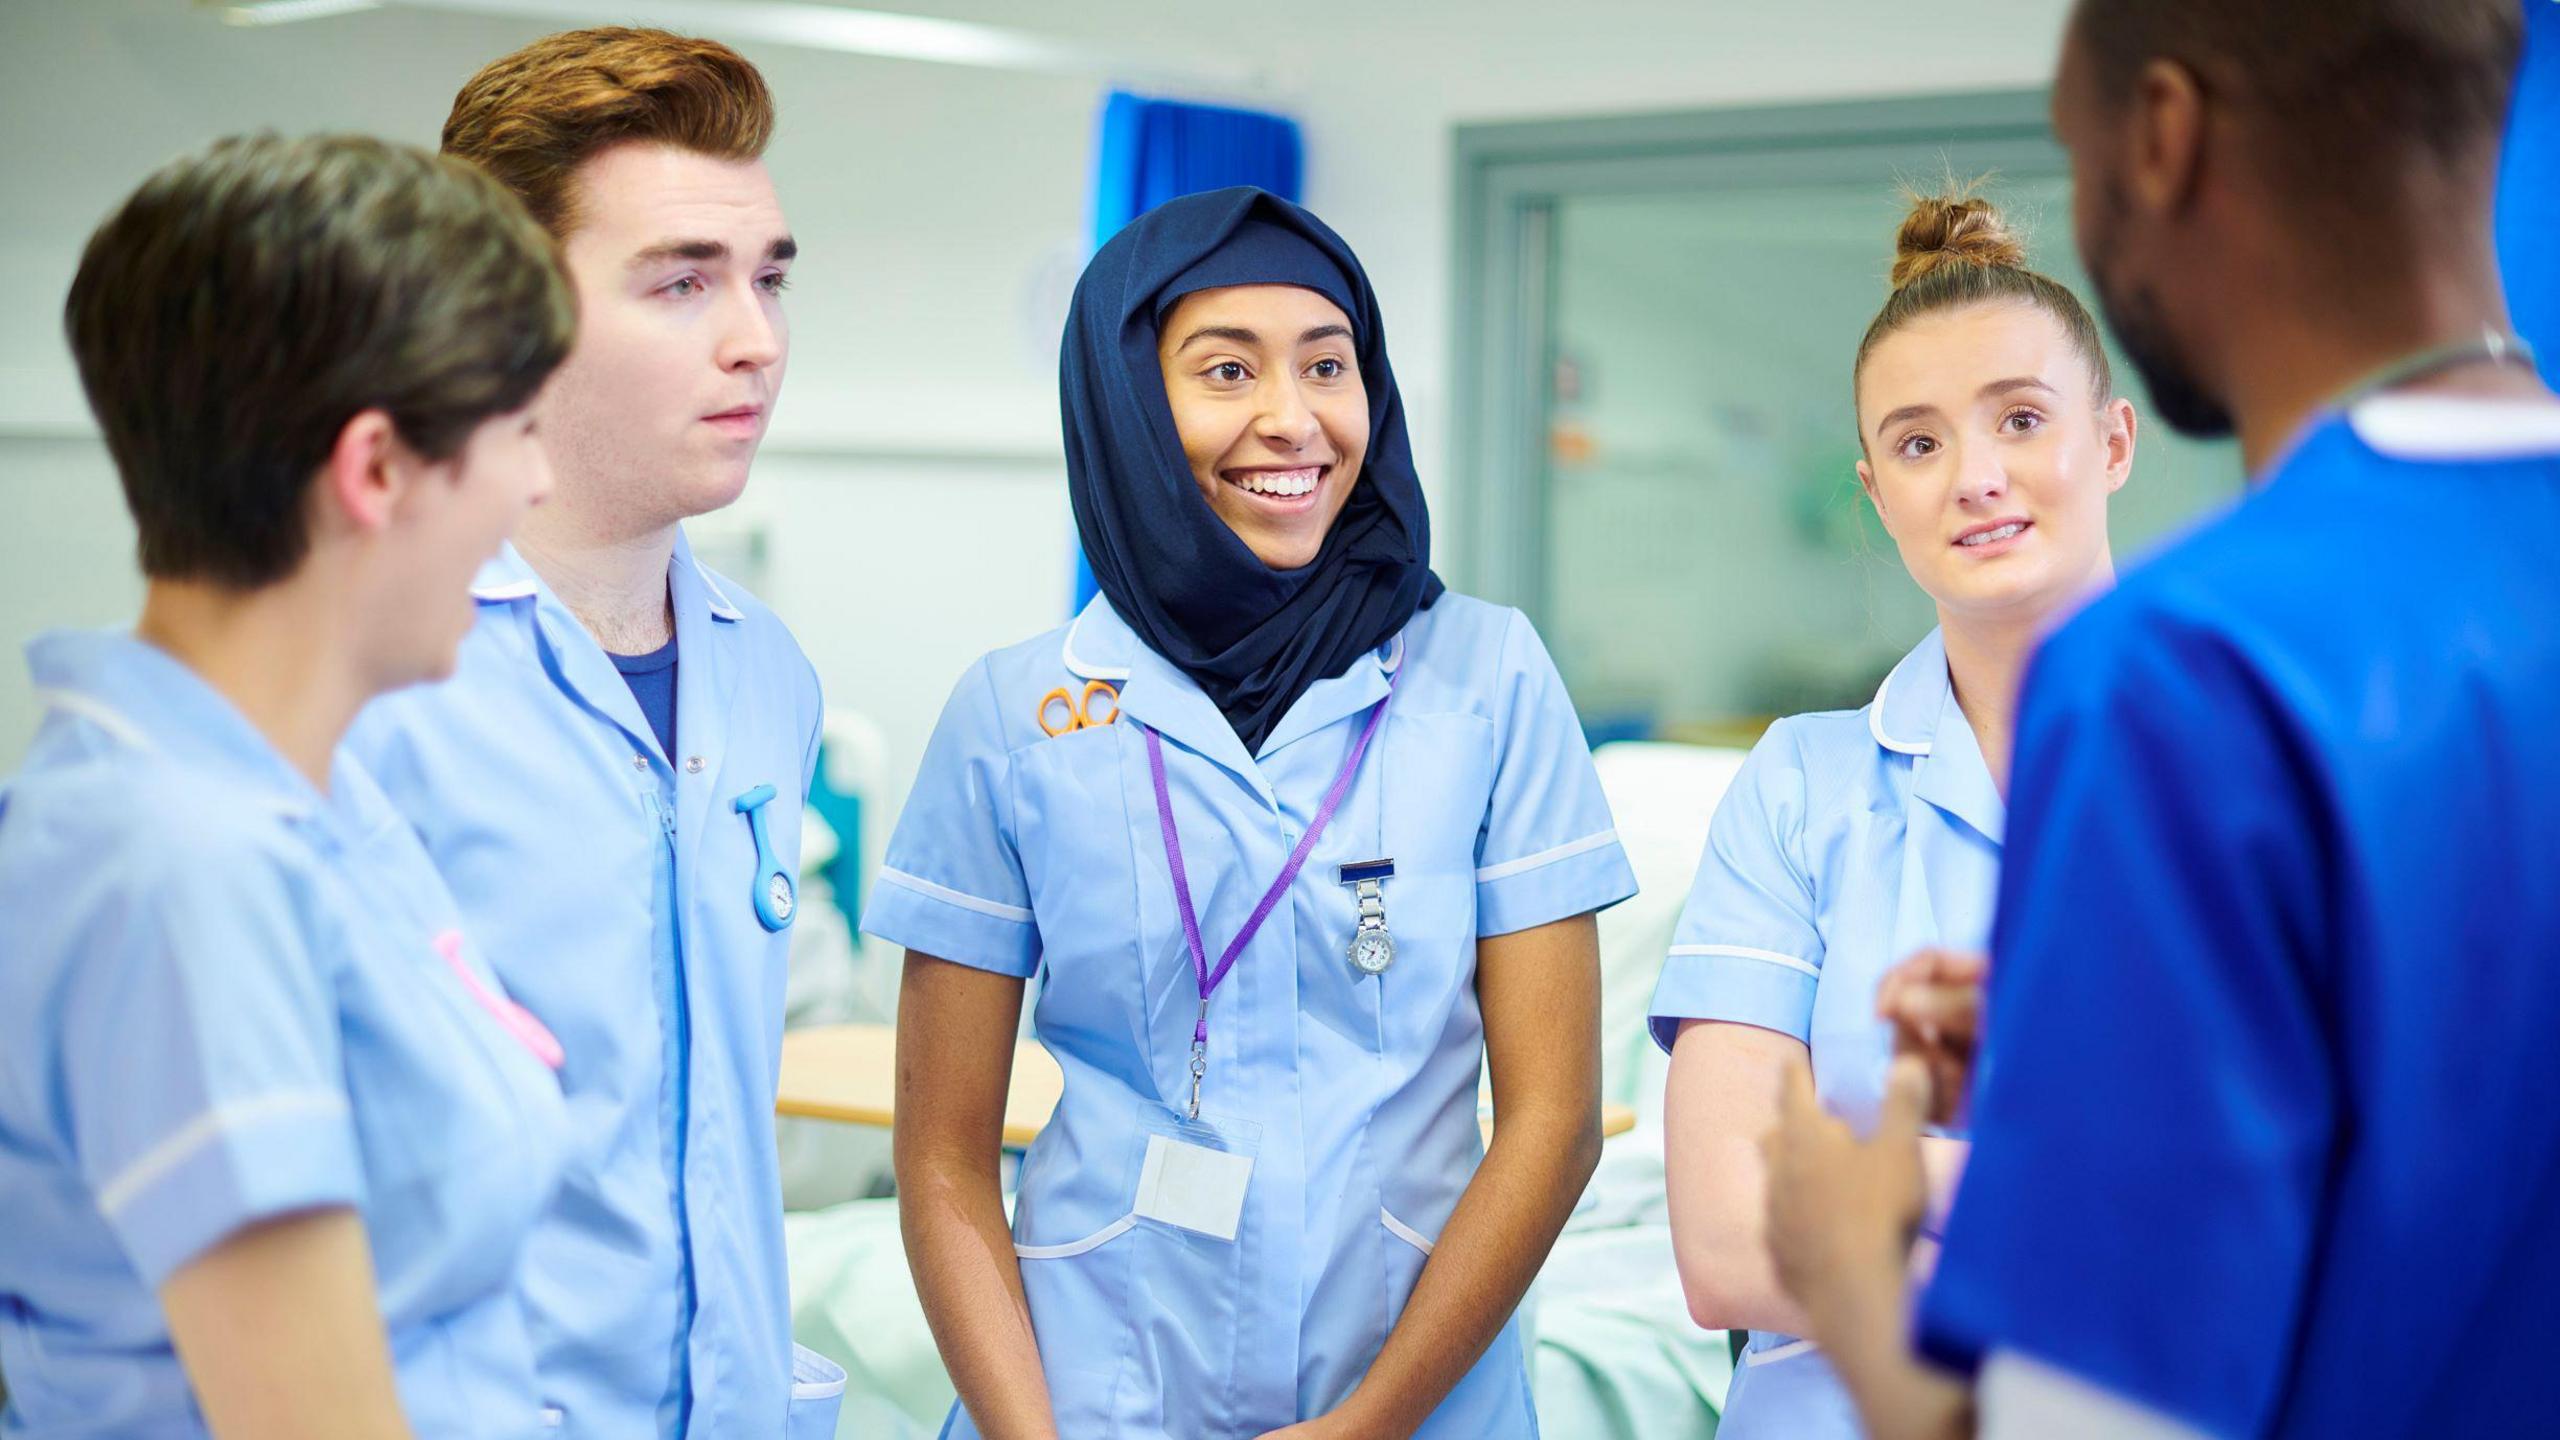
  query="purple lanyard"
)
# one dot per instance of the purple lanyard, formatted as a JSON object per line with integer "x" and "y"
{"x": 1209, "y": 979}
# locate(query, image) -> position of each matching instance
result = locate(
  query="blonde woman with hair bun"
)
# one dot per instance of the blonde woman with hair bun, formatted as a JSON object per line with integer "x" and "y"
{"x": 1991, "y": 437}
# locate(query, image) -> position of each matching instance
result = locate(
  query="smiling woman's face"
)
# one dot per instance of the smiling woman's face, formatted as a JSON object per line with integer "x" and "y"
{"x": 1990, "y": 460}
{"x": 1265, "y": 386}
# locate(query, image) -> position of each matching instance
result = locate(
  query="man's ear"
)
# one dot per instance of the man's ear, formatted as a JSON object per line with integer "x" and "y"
{"x": 2166, "y": 132}
{"x": 361, "y": 481}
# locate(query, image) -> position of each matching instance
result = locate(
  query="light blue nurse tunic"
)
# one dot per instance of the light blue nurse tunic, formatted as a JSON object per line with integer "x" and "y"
{"x": 1023, "y": 853}
{"x": 1849, "y": 839}
{"x": 226, "y": 997}
{"x": 618, "y": 888}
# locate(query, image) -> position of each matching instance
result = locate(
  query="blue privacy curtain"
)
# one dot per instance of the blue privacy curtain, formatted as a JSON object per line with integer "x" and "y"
{"x": 2529, "y": 195}
{"x": 1151, "y": 151}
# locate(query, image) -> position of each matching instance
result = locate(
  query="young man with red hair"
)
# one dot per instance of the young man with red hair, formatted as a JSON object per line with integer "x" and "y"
{"x": 612, "y": 781}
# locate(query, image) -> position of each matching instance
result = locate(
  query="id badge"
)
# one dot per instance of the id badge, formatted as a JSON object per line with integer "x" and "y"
{"x": 1197, "y": 1187}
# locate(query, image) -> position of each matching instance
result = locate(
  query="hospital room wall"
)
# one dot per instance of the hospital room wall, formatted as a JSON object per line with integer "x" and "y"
{"x": 910, "y": 499}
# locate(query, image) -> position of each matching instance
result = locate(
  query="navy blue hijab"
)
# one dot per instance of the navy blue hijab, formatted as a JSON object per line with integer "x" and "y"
{"x": 1252, "y": 637}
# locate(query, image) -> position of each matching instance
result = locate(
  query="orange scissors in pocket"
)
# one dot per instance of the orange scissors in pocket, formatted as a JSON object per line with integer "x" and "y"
{"x": 1079, "y": 708}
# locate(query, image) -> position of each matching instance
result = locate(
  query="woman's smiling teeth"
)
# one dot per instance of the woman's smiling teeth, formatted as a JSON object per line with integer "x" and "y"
{"x": 1285, "y": 484}
{"x": 1994, "y": 537}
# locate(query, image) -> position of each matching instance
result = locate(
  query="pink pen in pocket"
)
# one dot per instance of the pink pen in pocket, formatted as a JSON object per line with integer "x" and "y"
{"x": 518, "y": 1021}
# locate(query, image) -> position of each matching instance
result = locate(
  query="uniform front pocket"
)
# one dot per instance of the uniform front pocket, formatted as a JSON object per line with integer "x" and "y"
{"x": 1137, "y": 1317}
{"x": 817, "y": 1392}
{"x": 1191, "y": 1289}
{"x": 1406, "y": 1250}
{"x": 1077, "y": 1284}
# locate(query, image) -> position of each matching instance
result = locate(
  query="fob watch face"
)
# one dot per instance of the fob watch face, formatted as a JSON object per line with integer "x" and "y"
{"x": 1372, "y": 951}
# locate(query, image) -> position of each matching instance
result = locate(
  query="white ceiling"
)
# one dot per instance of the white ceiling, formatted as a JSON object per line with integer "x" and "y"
{"x": 1528, "y": 56}
{"x": 1476, "y": 58}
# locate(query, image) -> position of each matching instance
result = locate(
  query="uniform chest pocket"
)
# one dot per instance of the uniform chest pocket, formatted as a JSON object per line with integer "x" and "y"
{"x": 1075, "y": 832}
{"x": 1428, "y": 790}
{"x": 1423, "y": 807}
{"x": 770, "y": 856}
{"x": 428, "y": 1035}
{"x": 458, "y": 1142}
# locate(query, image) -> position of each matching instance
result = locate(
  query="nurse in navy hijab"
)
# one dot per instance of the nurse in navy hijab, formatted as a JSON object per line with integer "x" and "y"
{"x": 1300, "y": 845}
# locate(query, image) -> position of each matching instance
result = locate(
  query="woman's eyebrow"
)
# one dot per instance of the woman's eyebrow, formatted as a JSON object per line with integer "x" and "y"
{"x": 1907, "y": 412}
{"x": 1991, "y": 391}
{"x": 1235, "y": 333}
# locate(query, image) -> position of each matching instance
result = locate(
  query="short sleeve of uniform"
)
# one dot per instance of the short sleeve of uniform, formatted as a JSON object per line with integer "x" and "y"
{"x": 2154, "y": 1112}
{"x": 817, "y": 712}
{"x": 1548, "y": 849}
{"x": 952, "y": 884}
{"x": 200, "y": 1065}
{"x": 1746, "y": 948}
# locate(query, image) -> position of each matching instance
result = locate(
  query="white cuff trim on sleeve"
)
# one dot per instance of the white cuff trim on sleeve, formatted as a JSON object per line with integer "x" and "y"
{"x": 1566, "y": 851}
{"x": 1745, "y": 952}
{"x": 947, "y": 895}
{"x": 157, "y": 1162}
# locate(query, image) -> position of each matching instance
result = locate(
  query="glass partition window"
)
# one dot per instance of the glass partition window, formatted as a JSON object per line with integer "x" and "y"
{"x": 1701, "y": 557}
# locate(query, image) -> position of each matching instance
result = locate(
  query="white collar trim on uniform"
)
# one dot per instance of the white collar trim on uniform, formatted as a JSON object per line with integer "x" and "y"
{"x": 503, "y": 577}
{"x": 99, "y": 713}
{"x": 508, "y": 577}
{"x": 1915, "y": 711}
{"x": 1875, "y": 726}
{"x": 2456, "y": 427}
{"x": 718, "y": 600}
{"x": 123, "y": 729}
{"x": 1082, "y": 667}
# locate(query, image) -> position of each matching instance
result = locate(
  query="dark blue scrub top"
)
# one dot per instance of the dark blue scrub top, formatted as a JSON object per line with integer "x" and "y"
{"x": 2267, "y": 1120}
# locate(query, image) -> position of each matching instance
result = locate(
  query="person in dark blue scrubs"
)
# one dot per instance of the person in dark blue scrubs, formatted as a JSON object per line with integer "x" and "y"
{"x": 2265, "y": 1141}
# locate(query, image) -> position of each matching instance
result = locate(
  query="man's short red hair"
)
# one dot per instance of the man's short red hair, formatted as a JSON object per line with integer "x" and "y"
{"x": 533, "y": 117}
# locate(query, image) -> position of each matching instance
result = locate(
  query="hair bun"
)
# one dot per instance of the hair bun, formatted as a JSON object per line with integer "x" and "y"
{"x": 1953, "y": 229}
